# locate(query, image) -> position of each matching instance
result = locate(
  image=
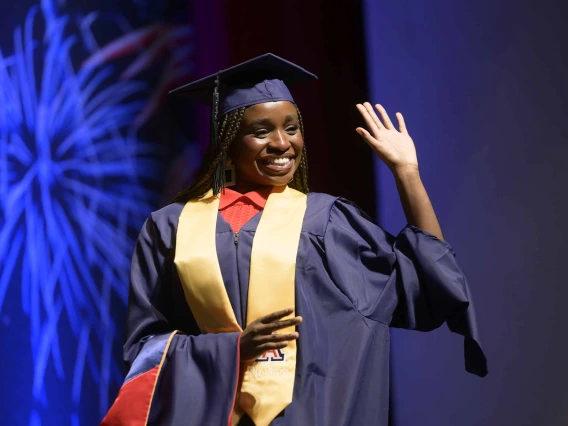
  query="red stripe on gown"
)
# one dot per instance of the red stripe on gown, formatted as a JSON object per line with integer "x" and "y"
{"x": 133, "y": 401}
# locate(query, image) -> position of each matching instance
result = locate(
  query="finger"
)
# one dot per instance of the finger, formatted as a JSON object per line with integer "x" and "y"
{"x": 275, "y": 337}
{"x": 401, "y": 123}
{"x": 374, "y": 116}
{"x": 368, "y": 119}
{"x": 385, "y": 117}
{"x": 275, "y": 316}
{"x": 368, "y": 138}
{"x": 272, "y": 345}
{"x": 269, "y": 328}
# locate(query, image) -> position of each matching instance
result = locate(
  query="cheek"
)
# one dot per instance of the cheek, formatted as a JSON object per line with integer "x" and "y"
{"x": 298, "y": 143}
{"x": 245, "y": 151}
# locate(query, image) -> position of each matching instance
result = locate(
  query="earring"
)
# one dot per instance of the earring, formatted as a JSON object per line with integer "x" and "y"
{"x": 230, "y": 174}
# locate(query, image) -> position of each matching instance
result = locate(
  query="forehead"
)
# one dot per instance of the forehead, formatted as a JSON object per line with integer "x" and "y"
{"x": 269, "y": 110}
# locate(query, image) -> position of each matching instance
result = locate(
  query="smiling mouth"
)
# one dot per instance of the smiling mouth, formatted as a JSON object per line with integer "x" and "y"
{"x": 277, "y": 164}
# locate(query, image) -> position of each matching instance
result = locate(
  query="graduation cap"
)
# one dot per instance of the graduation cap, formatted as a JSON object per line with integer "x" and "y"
{"x": 262, "y": 79}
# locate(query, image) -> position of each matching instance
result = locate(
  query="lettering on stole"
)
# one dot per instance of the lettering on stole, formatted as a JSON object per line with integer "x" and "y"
{"x": 271, "y": 364}
{"x": 273, "y": 371}
{"x": 273, "y": 355}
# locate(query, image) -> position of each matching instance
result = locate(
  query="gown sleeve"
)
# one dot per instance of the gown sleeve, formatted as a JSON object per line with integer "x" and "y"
{"x": 174, "y": 376}
{"x": 410, "y": 281}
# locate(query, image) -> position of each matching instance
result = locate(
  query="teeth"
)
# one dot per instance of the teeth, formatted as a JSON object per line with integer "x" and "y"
{"x": 278, "y": 161}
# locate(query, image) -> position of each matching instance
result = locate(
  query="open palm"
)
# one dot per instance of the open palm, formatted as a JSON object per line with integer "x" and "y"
{"x": 394, "y": 147}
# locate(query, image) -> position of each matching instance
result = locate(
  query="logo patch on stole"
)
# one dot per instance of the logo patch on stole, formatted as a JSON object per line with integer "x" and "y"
{"x": 273, "y": 355}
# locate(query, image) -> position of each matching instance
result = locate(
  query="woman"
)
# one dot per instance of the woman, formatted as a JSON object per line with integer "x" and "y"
{"x": 265, "y": 304}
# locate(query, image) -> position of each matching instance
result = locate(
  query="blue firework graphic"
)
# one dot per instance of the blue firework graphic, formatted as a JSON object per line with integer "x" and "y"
{"x": 71, "y": 199}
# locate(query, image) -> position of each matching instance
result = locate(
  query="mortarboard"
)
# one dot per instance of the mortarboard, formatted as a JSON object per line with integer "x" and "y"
{"x": 262, "y": 79}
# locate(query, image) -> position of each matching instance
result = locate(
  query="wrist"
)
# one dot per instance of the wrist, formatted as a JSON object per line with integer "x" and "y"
{"x": 406, "y": 172}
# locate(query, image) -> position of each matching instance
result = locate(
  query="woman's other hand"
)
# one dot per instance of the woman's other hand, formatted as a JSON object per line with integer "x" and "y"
{"x": 394, "y": 147}
{"x": 260, "y": 336}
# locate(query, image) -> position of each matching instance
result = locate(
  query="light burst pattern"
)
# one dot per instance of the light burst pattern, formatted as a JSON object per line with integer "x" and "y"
{"x": 71, "y": 199}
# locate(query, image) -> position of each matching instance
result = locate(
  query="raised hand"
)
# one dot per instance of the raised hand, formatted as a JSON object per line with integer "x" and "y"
{"x": 260, "y": 335}
{"x": 394, "y": 147}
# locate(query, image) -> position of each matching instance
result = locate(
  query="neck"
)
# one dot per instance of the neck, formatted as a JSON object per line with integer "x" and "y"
{"x": 244, "y": 187}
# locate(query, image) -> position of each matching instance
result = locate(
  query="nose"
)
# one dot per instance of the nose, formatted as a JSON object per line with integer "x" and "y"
{"x": 280, "y": 141}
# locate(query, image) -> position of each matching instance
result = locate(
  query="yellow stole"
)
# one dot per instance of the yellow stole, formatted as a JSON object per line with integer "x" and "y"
{"x": 266, "y": 387}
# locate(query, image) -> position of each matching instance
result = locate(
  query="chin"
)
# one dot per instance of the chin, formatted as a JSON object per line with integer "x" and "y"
{"x": 279, "y": 180}
{"x": 261, "y": 178}
{"x": 273, "y": 180}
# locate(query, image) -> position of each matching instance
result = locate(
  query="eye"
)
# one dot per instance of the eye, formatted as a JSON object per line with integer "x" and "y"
{"x": 261, "y": 133}
{"x": 292, "y": 129}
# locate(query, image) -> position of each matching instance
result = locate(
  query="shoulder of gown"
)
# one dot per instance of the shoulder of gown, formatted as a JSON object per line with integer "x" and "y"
{"x": 318, "y": 209}
{"x": 165, "y": 223}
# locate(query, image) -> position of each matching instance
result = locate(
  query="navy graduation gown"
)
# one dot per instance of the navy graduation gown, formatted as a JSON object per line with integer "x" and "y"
{"x": 353, "y": 281}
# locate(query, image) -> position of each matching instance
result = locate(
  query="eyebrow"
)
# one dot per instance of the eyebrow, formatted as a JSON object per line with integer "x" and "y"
{"x": 266, "y": 120}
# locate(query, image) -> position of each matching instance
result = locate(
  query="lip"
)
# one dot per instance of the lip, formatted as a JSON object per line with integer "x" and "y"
{"x": 276, "y": 169}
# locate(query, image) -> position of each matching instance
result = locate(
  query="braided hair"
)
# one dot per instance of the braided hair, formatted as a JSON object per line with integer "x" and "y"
{"x": 211, "y": 173}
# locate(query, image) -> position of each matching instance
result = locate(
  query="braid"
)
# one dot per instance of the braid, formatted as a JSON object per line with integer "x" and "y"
{"x": 214, "y": 162}
{"x": 300, "y": 180}
{"x": 218, "y": 167}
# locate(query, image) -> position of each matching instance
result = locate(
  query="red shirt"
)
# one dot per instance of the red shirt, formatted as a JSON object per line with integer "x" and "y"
{"x": 237, "y": 209}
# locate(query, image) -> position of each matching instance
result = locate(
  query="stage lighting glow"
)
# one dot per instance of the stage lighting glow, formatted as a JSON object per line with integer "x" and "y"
{"x": 71, "y": 202}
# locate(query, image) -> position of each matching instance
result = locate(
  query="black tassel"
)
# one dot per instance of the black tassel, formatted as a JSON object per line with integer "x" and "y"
{"x": 219, "y": 172}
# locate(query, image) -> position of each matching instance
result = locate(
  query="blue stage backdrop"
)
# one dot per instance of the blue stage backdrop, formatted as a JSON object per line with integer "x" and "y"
{"x": 84, "y": 143}
{"x": 483, "y": 89}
